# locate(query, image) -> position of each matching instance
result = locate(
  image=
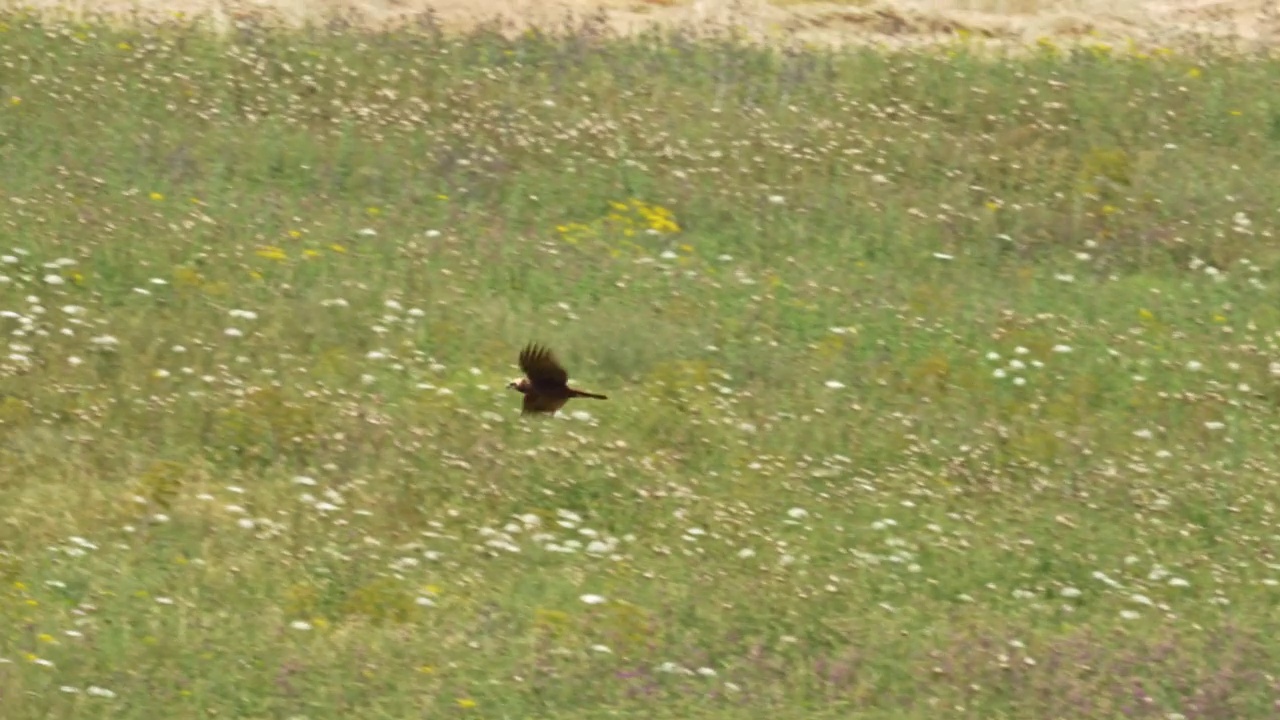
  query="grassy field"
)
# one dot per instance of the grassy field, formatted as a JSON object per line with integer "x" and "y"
{"x": 940, "y": 384}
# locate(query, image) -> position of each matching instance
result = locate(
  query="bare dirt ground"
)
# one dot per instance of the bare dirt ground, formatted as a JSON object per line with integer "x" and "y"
{"x": 1245, "y": 24}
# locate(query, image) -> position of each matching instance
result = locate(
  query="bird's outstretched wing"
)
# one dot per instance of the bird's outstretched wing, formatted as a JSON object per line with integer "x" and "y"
{"x": 542, "y": 367}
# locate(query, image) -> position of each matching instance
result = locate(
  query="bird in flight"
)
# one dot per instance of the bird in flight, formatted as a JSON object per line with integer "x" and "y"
{"x": 546, "y": 383}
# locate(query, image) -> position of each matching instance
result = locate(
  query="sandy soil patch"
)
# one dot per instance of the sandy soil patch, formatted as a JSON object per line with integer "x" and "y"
{"x": 1248, "y": 24}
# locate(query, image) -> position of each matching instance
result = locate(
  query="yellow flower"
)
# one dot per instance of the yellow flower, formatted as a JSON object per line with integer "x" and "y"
{"x": 310, "y": 253}
{"x": 15, "y": 100}
{"x": 1237, "y": 113}
{"x": 373, "y": 211}
{"x": 442, "y": 197}
{"x": 337, "y": 248}
{"x": 46, "y": 638}
{"x": 466, "y": 703}
{"x": 295, "y": 234}
{"x": 1146, "y": 314}
{"x": 157, "y": 196}
{"x": 426, "y": 670}
{"x": 271, "y": 252}
{"x": 19, "y": 585}
{"x": 125, "y": 46}
{"x": 1194, "y": 73}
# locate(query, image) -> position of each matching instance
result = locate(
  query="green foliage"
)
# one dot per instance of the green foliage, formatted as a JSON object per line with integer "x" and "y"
{"x": 939, "y": 382}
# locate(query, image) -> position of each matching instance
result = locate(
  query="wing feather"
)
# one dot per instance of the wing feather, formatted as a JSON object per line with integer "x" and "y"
{"x": 542, "y": 367}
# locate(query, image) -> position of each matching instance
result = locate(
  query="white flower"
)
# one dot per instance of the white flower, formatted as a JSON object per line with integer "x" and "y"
{"x": 776, "y": 200}
{"x": 54, "y": 280}
{"x": 834, "y": 384}
{"x": 1062, "y": 348}
{"x": 593, "y": 599}
{"x": 797, "y": 513}
{"x": 233, "y": 332}
{"x": 300, "y": 625}
{"x": 105, "y": 341}
{"x": 101, "y": 692}
{"x": 1195, "y": 366}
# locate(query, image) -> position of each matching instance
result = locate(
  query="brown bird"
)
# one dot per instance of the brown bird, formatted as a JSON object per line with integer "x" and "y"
{"x": 546, "y": 385}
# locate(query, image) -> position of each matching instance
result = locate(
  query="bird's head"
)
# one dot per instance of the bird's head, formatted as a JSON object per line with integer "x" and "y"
{"x": 520, "y": 385}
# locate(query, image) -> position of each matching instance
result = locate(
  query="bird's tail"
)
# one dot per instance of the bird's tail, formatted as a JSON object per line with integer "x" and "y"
{"x": 580, "y": 393}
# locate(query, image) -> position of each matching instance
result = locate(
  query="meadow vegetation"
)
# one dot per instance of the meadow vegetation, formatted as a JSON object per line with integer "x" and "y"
{"x": 941, "y": 383}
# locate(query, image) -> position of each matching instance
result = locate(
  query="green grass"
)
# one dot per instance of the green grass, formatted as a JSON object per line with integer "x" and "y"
{"x": 940, "y": 385}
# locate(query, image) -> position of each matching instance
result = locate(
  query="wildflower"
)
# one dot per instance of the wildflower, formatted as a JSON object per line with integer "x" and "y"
{"x": 157, "y": 196}
{"x": 271, "y": 252}
{"x": 593, "y": 599}
{"x": 300, "y": 625}
{"x": 101, "y": 692}
{"x": 834, "y": 384}
{"x": 465, "y": 703}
